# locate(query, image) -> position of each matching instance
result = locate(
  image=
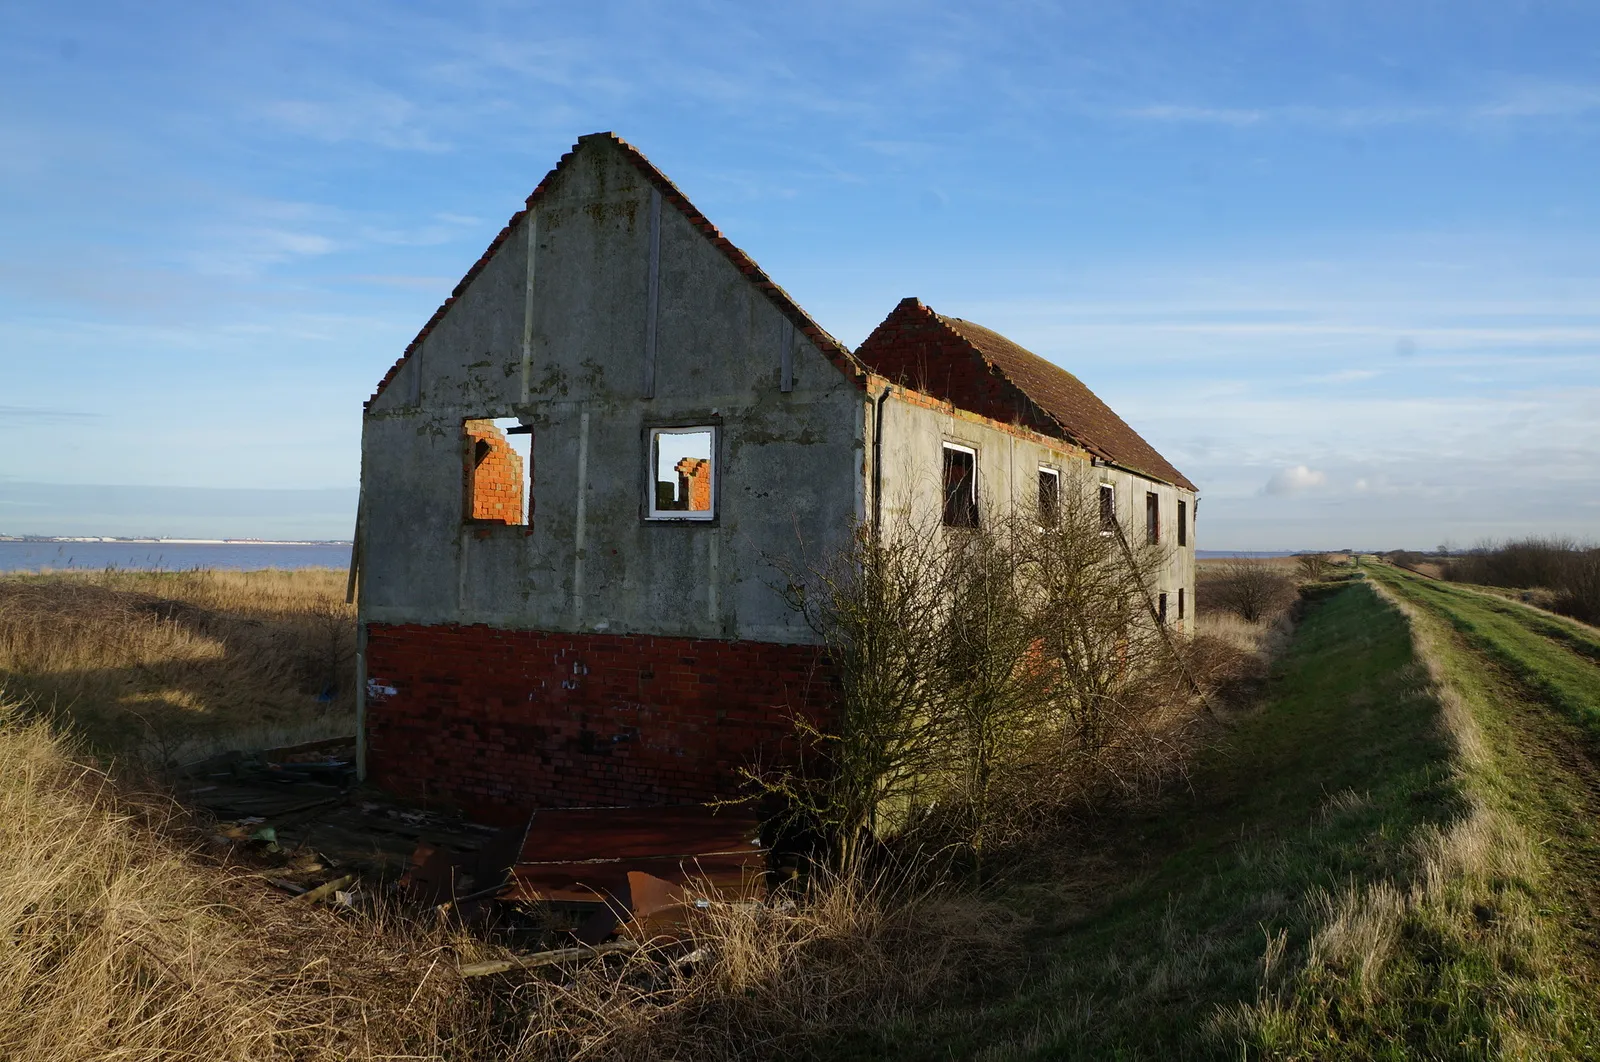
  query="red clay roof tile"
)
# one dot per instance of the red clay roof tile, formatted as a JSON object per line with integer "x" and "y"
{"x": 982, "y": 371}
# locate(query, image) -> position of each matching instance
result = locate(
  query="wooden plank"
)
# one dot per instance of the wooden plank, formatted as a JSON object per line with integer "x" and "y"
{"x": 546, "y": 958}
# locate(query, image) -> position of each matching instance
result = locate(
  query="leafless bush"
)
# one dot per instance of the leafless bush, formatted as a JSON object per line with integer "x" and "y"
{"x": 987, "y": 677}
{"x": 1249, "y": 589}
{"x": 1568, "y": 571}
{"x": 1314, "y": 566}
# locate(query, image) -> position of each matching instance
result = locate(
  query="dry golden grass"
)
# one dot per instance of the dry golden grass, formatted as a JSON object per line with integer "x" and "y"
{"x": 125, "y": 942}
{"x": 172, "y": 666}
{"x": 768, "y": 981}
{"x": 128, "y": 939}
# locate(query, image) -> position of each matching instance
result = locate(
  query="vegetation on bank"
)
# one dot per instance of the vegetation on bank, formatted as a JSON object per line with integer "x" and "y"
{"x": 168, "y": 667}
{"x": 1559, "y": 574}
{"x": 1339, "y": 884}
{"x": 1380, "y": 853}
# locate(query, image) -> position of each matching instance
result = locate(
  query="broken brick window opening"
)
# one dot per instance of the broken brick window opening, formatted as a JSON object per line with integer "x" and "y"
{"x": 1152, "y": 518}
{"x": 960, "y": 486}
{"x": 683, "y": 473}
{"x": 499, "y": 471}
{"x": 1180, "y": 603}
{"x": 1049, "y": 497}
{"x": 1161, "y": 607}
{"x": 1183, "y": 536}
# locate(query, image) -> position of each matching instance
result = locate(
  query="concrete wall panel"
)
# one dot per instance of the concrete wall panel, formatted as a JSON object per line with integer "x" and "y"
{"x": 791, "y": 462}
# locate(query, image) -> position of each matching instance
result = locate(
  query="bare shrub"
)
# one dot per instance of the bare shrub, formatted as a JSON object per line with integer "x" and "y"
{"x": 1314, "y": 566}
{"x": 1250, "y": 589}
{"x": 1561, "y": 574}
{"x": 988, "y": 678}
{"x": 879, "y": 608}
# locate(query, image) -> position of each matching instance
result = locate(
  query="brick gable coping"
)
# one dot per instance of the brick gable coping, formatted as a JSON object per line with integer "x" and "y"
{"x": 831, "y": 348}
{"x": 983, "y": 372}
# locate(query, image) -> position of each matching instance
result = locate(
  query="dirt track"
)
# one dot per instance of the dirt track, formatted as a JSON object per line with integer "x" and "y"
{"x": 1542, "y": 675}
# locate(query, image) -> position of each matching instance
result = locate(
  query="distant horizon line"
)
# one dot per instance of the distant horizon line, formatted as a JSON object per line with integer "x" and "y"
{"x": 156, "y": 540}
{"x": 149, "y": 540}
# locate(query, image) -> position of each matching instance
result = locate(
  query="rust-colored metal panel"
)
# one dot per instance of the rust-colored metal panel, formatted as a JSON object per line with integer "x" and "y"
{"x": 588, "y": 834}
{"x": 592, "y": 855}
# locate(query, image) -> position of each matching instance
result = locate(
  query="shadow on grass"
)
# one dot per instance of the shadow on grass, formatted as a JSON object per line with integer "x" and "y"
{"x": 167, "y": 667}
{"x": 1323, "y": 786}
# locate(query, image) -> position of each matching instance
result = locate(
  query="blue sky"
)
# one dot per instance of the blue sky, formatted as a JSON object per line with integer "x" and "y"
{"x": 1340, "y": 262}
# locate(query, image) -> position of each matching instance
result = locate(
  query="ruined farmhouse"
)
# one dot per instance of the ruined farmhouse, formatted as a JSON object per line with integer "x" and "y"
{"x": 575, "y": 480}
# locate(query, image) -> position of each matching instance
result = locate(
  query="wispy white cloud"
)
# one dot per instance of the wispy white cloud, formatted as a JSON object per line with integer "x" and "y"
{"x": 1528, "y": 101}
{"x": 36, "y": 414}
{"x": 1346, "y": 376}
{"x": 244, "y": 251}
{"x": 383, "y": 119}
{"x": 1188, "y": 113}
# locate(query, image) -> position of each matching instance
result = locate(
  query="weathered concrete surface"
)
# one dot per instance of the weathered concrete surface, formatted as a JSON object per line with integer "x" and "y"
{"x": 792, "y": 466}
{"x": 914, "y": 434}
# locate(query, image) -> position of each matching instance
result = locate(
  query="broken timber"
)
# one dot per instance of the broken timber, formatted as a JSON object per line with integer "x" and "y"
{"x": 545, "y": 958}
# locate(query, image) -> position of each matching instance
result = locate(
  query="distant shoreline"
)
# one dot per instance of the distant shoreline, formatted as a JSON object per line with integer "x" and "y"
{"x": 178, "y": 541}
{"x": 167, "y": 554}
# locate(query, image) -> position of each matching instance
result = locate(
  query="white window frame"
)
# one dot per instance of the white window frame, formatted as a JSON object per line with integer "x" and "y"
{"x": 1112, "y": 487}
{"x": 972, "y": 487}
{"x": 1054, "y": 472}
{"x": 652, "y": 461}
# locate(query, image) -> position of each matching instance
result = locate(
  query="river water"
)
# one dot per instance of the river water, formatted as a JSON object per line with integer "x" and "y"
{"x": 169, "y": 556}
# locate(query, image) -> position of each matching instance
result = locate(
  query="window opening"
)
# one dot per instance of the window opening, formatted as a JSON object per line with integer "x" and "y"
{"x": 960, "y": 486}
{"x": 499, "y": 473}
{"x": 1161, "y": 607}
{"x": 1180, "y": 602}
{"x": 683, "y": 473}
{"x": 1183, "y": 540}
{"x": 1049, "y": 497}
{"x": 1152, "y": 517}
{"x": 1108, "y": 507}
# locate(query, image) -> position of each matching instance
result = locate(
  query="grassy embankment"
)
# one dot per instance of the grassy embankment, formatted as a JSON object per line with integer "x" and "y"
{"x": 1388, "y": 857}
{"x": 171, "y": 666}
{"x": 1351, "y": 878}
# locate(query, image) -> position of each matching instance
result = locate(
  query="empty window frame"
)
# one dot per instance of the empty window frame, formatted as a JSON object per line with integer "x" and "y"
{"x": 1152, "y": 517}
{"x": 960, "y": 486}
{"x": 682, "y": 484}
{"x": 1049, "y": 496}
{"x": 1180, "y": 604}
{"x": 1161, "y": 607}
{"x": 1108, "y": 507}
{"x": 498, "y": 477}
{"x": 1183, "y": 539}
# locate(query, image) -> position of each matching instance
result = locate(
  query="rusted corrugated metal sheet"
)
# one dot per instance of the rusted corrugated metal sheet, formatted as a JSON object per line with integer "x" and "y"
{"x": 640, "y": 863}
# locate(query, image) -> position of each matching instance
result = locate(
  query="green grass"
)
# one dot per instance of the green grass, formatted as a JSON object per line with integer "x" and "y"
{"x": 1557, "y": 658}
{"x": 1335, "y": 887}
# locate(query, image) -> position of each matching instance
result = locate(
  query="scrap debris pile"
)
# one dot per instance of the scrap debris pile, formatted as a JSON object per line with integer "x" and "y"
{"x": 564, "y": 884}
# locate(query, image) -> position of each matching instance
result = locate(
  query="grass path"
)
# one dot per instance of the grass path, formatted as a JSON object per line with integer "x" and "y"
{"x": 1555, "y": 659}
{"x": 1282, "y": 909}
{"x": 1535, "y": 684}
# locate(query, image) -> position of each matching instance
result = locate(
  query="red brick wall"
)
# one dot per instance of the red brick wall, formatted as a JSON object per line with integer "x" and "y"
{"x": 694, "y": 483}
{"x": 915, "y": 349}
{"x": 494, "y": 482}
{"x": 500, "y": 721}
